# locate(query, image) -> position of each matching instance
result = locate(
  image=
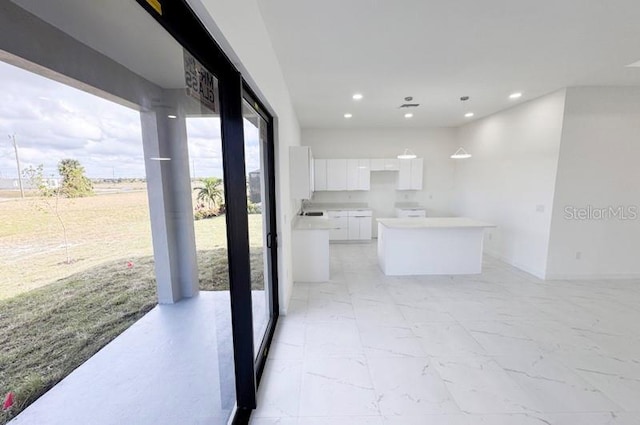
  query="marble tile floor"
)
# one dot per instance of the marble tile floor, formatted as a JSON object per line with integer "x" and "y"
{"x": 498, "y": 348}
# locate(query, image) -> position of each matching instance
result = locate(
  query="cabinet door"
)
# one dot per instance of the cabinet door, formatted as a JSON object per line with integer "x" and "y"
{"x": 354, "y": 228}
{"x": 320, "y": 174}
{"x": 416, "y": 174}
{"x": 364, "y": 174}
{"x": 377, "y": 164}
{"x": 392, "y": 164}
{"x": 336, "y": 174}
{"x": 352, "y": 174}
{"x": 365, "y": 228}
{"x": 339, "y": 227}
{"x": 300, "y": 166}
{"x": 404, "y": 176}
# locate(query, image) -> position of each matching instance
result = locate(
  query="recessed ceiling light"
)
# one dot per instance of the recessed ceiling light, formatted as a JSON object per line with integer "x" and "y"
{"x": 173, "y": 117}
{"x": 408, "y": 115}
{"x": 348, "y": 115}
{"x": 469, "y": 114}
{"x": 357, "y": 96}
{"x": 515, "y": 95}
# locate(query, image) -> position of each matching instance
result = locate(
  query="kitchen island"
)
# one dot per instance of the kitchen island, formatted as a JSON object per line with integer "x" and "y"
{"x": 435, "y": 245}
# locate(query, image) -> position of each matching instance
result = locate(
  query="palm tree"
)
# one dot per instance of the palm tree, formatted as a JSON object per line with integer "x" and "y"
{"x": 210, "y": 191}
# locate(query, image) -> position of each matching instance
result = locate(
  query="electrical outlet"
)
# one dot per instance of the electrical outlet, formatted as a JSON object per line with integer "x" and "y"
{"x": 490, "y": 236}
{"x": 578, "y": 255}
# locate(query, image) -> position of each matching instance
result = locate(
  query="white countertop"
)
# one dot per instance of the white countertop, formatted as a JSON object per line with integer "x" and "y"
{"x": 354, "y": 206}
{"x": 432, "y": 222}
{"x": 311, "y": 223}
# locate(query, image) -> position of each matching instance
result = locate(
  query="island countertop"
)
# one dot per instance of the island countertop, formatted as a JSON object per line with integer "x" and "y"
{"x": 432, "y": 222}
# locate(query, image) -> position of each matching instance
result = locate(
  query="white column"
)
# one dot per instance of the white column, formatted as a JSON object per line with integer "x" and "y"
{"x": 170, "y": 205}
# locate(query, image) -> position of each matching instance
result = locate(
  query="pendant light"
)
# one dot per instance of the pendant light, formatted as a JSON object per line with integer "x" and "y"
{"x": 408, "y": 154}
{"x": 461, "y": 154}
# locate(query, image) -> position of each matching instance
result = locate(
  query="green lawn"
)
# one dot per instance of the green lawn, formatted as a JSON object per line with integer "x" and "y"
{"x": 52, "y": 329}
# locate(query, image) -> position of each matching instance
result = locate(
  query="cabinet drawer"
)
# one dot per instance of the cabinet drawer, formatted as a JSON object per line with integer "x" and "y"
{"x": 360, "y": 213}
{"x": 339, "y": 222}
{"x": 334, "y": 214}
{"x": 401, "y": 213}
{"x": 339, "y": 228}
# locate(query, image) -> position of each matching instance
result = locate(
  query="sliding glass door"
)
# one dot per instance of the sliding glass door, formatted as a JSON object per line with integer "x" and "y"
{"x": 261, "y": 207}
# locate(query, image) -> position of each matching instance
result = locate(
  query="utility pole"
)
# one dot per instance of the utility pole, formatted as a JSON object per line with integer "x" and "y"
{"x": 15, "y": 148}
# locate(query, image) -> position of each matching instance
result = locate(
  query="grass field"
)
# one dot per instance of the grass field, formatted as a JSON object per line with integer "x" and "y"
{"x": 99, "y": 229}
{"x": 55, "y": 315}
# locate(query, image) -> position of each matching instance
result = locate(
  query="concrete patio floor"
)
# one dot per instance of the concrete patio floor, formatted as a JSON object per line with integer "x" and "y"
{"x": 173, "y": 366}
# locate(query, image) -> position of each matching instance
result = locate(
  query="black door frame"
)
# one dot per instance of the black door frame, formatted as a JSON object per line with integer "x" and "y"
{"x": 272, "y": 236}
{"x": 181, "y": 22}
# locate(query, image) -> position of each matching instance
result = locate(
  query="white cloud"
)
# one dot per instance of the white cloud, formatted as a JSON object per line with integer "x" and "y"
{"x": 52, "y": 121}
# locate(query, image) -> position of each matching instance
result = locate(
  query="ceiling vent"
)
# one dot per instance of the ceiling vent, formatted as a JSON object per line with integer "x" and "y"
{"x": 409, "y": 105}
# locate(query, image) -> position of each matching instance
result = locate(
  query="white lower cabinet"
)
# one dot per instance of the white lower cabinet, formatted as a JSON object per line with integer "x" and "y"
{"x": 350, "y": 225}
{"x": 339, "y": 225}
{"x": 410, "y": 213}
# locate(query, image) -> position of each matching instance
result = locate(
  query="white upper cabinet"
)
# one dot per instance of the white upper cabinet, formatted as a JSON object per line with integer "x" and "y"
{"x": 392, "y": 164}
{"x": 336, "y": 174}
{"x": 320, "y": 174}
{"x": 300, "y": 164}
{"x": 358, "y": 174}
{"x": 364, "y": 174}
{"x": 410, "y": 175}
{"x": 377, "y": 164}
{"x": 352, "y": 174}
{"x": 417, "y": 173}
{"x": 348, "y": 174}
{"x": 404, "y": 175}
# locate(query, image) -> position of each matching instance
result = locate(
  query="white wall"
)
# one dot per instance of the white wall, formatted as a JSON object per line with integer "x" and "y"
{"x": 598, "y": 167}
{"x": 510, "y": 179}
{"x": 434, "y": 145}
{"x": 238, "y": 27}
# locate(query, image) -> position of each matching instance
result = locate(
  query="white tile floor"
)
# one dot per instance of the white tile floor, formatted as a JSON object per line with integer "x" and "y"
{"x": 498, "y": 348}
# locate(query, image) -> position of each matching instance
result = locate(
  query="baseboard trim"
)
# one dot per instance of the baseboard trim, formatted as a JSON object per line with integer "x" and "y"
{"x": 601, "y": 276}
{"x": 535, "y": 273}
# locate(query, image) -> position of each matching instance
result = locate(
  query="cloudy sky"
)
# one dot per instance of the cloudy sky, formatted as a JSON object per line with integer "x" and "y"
{"x": 52, "y": 121}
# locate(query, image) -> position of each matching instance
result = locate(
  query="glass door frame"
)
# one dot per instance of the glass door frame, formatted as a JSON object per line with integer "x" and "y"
{"x": 272, "y": 235}
{"x": 177, "y": 18}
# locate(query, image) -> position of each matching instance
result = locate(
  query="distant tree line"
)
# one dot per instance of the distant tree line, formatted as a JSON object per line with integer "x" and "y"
{"x": 74, "y": 183}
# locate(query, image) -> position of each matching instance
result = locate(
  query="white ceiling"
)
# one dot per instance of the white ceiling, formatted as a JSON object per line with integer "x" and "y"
{"x": 439, "y": 50}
